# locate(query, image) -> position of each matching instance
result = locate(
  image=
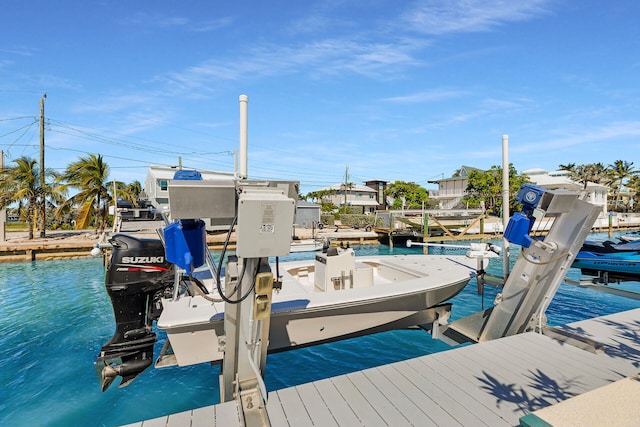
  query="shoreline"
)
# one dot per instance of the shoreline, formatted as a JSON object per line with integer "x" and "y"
{"x": 70, "y": 244}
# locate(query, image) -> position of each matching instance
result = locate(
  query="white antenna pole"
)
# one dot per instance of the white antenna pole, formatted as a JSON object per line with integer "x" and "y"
{"x": 244, "y": 122}
{"x": 3, "y": 212}
{"x": 505, "y": 202}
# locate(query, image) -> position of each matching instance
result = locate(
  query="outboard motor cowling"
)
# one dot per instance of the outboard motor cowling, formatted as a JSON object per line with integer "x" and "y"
{"x": 137, "y": 277}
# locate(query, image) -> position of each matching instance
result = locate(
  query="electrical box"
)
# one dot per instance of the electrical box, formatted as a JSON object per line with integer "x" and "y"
{"x": 194, "y": 199}
{"x": 265, "y": 223}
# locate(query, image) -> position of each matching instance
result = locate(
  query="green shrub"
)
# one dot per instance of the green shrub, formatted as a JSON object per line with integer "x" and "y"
{"x": 327, "y": 219}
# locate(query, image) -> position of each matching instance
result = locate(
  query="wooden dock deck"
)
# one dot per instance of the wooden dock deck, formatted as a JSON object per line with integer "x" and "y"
{"x": 488, "y": 384}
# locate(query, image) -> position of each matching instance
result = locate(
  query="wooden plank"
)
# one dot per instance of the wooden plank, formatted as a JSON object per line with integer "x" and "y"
{"x": 179, "y": 419}
{"x": 617, "y": 330}
{"x": 545, "y": 382}
{"x": 531, "y": 351}
{"x": 336, "y": 404}
{"x": 565, "y": 357}
{"x": 435, "y": 414}
{"x": 203, "y": 417}
{"x": 503, "y": 380}
{"x": 293, "y": 407}
{"x": 228, "y": 414}
{"x": 438, "y": 390}
{"x": 398, "y": 397}
{"x": 275, "y": 411}
{"x": 363, "y": 410}
{"x": 316, "y": 407}
{"x": 371, "y": 391}
{"x": 155, "y": 422}
{"x": 492, "y": 383}
{"x": 494, "y": 392}
{"x": 481, "y": 404}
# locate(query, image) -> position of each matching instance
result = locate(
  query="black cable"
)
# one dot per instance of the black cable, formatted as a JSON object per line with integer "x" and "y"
{"x": 219, "y": 285}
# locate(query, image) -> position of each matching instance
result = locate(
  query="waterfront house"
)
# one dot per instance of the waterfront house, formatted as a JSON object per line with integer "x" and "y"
{"x": 555, "y": 180}
{"x": 360, "y": 198}
{"x": 451, "y": 190}
{"x": 156, "y": 184}
{"x": 380, "y": 186}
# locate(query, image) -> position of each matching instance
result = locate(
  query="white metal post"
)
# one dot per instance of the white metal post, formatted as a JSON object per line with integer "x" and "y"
{"x": 244, "y": 123}
{"x": 3, "y": 212}
{"x": 505, "y": 202}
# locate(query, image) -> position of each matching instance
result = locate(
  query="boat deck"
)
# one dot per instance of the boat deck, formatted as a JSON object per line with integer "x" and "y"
{"x": 488, "y": 384}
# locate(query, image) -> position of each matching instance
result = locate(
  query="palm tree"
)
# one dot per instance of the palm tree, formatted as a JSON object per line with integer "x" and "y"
{"x": 89, "y": 176}
{"x": 592, "y": 172}
{"x": 128, "y": 192}
{"x": 20, "y": 184}
{"x": 570, "y": 167}
{"x": 620, "y": 171}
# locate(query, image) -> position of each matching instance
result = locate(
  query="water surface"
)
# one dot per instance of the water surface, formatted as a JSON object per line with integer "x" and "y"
{"x": 55, "y": 316}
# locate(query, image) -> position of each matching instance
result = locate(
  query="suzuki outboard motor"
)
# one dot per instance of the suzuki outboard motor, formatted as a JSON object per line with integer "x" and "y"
{"x": 137, "y": 277}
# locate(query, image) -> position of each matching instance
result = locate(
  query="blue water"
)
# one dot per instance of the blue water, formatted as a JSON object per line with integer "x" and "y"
{"x": 55, "y": 316}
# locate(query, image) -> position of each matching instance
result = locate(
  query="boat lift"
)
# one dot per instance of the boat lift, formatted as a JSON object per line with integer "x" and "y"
{"x": 538, "y": 272}
{"x": 264, "y": 212}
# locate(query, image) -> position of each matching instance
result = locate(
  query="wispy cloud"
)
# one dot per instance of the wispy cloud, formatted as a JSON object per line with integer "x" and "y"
{"x": 570, "y": 138}
{"x": 212, "y": 25}
{"x": 426, "y": 96}
{"x": 19, "y": 50}
{"x": 438, "y": 17}
{"x": 157, "y": 20}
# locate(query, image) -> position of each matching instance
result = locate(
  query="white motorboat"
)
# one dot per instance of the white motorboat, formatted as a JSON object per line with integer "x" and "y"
{"x": 306, "y": 245}
{"x": 177, "y": 283}
{"x": 335, "y": 296}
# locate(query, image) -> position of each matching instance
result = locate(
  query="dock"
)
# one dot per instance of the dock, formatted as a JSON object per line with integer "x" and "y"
{"x": 524, "y": 379}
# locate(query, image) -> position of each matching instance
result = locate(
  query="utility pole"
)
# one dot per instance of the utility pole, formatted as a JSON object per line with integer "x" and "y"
{"x": 43, "y": 202}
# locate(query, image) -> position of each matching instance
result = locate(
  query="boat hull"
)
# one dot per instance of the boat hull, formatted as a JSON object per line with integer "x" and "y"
{"x": 623, "y": 265}
{"x": 195, "y": 327}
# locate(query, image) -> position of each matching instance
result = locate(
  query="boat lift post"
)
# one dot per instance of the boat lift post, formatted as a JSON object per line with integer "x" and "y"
{"x": 265, "y": 222}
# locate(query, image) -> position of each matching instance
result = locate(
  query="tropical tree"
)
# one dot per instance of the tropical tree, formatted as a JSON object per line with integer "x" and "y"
{"x": 89, "y": 176}
{"x": 634, "y": 184}
{"x": 619, "y": 172}
{"x": 592, "y": 172}
{"x": 409, "y": 193}
{"x": 128, "y": 192}
{"x": 319, "y": 196}
{"x": 487, "y": 186}
{"x": 21, "y": 184}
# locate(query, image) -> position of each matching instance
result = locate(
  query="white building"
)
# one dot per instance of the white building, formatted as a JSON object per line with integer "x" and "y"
{"x": 354, "y": 195}
{"x": 554, "y": 180}
{"x": 157, "y": 180}
{"x": 452, "y": 190}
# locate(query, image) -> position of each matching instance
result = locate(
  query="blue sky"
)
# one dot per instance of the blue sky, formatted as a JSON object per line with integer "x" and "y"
{"x": 395, "y": 90}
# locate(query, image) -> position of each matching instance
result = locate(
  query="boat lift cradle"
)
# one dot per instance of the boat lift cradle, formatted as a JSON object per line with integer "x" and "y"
{"x": 538, "y": 272}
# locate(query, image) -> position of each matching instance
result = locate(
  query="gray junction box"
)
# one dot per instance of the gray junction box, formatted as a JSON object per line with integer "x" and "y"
{"x": 265, "y": 223}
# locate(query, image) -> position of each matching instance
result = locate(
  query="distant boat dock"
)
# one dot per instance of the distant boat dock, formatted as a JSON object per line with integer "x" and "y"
{"x": 469, "y": 224}
{"x": 528, "y": 379}
{"x": 445, "y": 226}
